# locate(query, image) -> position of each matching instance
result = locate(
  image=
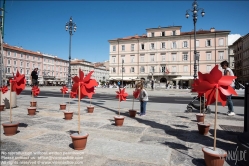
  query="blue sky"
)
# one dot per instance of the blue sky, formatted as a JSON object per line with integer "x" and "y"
{"x": 40, "y": 25}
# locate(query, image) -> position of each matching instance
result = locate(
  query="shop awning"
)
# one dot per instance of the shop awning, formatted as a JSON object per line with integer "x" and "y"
{"x": 184, "y": 78}
{"x": 124, "y": 78}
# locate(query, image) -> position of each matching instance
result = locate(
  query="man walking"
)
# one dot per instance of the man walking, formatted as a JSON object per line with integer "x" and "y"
{"x": 34, "y": 78}
{"x": 228, "y": 72}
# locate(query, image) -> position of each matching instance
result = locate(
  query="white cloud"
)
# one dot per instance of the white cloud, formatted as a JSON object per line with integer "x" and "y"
{"x": 232, "y": 38}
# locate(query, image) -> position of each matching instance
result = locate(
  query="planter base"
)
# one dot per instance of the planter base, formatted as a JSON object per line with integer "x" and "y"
{"x": 68, "y": 115}
{"x": 10, "y": 128}
{"x": 33, "y": 104}
{"x": 79, "y": 141}
{"x": 2, "y": 107}
{"x": 132, "y": 113}
{"x": 203, "y": 128}
{"x": 200, "y": 117}
{"x": 63, "y": 106}
{"x": 214, "y": 158}
{"x": 90, "y": 109}
{"x": 31, "y": 110}
{"x": 119, "y": 120}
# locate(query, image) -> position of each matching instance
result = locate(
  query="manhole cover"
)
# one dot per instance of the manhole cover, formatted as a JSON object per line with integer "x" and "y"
{"x": 232, "y": 128}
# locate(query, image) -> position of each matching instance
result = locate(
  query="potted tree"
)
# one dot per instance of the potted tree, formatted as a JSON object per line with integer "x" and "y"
{"x": 216, "y": 87}
{"x": 69, "y": 114}
{"x": 83, "y": 86}
{"x": 17, "y": 84}
{"x": 64, "y": 90}
{"x": 3, "y": 90}
{"x": 32, "y": 108}
{"x": 121, "y": 95}
{"x": 133, "y": 112}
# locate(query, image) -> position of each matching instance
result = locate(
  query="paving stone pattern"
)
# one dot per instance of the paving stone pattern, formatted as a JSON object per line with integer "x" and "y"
{"x": 161, "y": 138}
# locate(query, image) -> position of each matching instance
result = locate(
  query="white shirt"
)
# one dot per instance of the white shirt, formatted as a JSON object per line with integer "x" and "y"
{"x": 231, "y": 74}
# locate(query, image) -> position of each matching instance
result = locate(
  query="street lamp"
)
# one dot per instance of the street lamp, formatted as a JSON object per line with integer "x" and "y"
{"x": 70, "y": 26}
{"x": 198, "y": 59}
{"x": 195, "y": 10}
{"x": 122, "y": 73}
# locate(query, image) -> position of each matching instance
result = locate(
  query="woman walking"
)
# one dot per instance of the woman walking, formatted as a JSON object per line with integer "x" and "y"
{"x": 143, "y": 98}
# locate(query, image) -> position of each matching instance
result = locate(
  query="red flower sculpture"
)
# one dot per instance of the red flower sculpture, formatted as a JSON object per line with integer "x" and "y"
{"x": 215, "y": 80}
{"x": 136, "y": 93}
{"x": 18, "y": 83}
{"x": 64, "y": 90}
{"x": 35, "y": 90}
{"x": 4, "y": 89}
{"x": 86, "y": 85}
{"x": 72, "y": 94}
{"x": 121, "y": 94}
{"x": 195, "y": 84}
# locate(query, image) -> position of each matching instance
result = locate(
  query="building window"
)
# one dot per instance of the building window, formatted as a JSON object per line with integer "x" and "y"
{"x": 185, "y": 68}
{"x": 132, "y": 70}
{"x": 152, "y": 46}
{"x": 21, "y": 71}
{"x": 152, "y": 57}
{"x": 174, "y": 69}
{"x": 132, "y": 47}
{"x": 142, "y": 69}
{"x": 14, "y": 62}
{"x": 27, "y": 72}
{"x": 132, "y": 58}
{"x": 21, "y": 63}
{"x": 163, "y": 45}
{"x": 113, "y": 48}
{"x": 152, "y": 69}
{"x": 21, "y": 55}
{"x": 163, "y": 33}
{"x": 185, "y": 57}
{"x": 173, "y": 57}
{"x": 27, "y": 64}
{"x": 163, "y": 69}
{"x": 173, "y": 33}
{"x": 8, "y": 70}
{"x": 141, "y": 58}
{"x": 163, "y": 56}
{"x": 122, "y": 70}
{"x": 122, "y": 58}
{"x": 113, "y": 59}
{"x": 221, "y": 42}
{"x": 9, "y": 62}
{"x": 8, "y": 53}
{"x": 221, "y": 55}
{"x": 14, "y": 54}
{"x": 197, "y": 43}
{"x": 208, "y": 55}
{"x": 208, "y": 42}
{"x": 185, "y": 44}
{"x": 38, "y": 58}
{"x": 152, "y": 34}
{"x": 208, "y": 68}
{"x": 174, "y": 45}
{"x": 142, "y": 46}
{"x": 123, "y": 47}
{"x": 27, "y": 56}
{"x": 33, "y": 58}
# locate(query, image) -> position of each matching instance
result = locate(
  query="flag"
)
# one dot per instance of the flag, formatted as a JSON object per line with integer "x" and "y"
{"x": 167, "y": 71}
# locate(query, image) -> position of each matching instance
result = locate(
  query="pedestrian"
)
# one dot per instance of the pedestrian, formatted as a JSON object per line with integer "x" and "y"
{"x": 143, "y": 98}
{"x": 152, "y": 84}
{"x": 118, "y": 84}
{"x": 228, "y": 72}
{"x": 34, "y": 78}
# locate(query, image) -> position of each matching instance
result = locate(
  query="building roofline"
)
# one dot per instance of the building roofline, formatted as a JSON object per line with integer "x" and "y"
{"x": 6, "y": 46}
{"x": 165, "y": 27}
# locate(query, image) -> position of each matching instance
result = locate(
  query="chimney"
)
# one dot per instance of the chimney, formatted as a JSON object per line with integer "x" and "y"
{"x": 212, "y": 29}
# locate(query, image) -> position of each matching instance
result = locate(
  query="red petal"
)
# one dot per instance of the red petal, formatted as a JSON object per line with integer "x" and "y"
{"x": 87, "y": 78}
{"x": 226, "y": 80}
{"x": 204, "y": 86}
{"x": 222, "y": 98}
{"x": 210, "y": 95}
{"x": 76, "y": 79}
{"x": 81, "y": 74}
{"x": 92, "y": 83}
{"x": 215, "y": 75}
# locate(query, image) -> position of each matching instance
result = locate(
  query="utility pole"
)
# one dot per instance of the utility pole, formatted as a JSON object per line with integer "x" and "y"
{"x": 2, "y": 68}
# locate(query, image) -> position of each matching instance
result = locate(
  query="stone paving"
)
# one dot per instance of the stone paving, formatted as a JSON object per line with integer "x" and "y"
{"x": 165, "y": 136}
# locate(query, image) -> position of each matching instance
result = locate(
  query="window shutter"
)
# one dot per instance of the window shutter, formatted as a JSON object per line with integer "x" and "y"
{"x": 183, "y": 44}
{"x": 206, "y": 43}
{"x": 172, "y": 45}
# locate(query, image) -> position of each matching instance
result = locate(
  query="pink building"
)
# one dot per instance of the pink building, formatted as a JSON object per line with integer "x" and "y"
{"x": 17, "y": 58}
{"x": 166, "y": 54}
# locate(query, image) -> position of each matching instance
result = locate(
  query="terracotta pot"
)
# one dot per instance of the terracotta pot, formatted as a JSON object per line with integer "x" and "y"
{"x": 214, "y": 158}
{"x": 63, "y": 106}
{"x": 2, "y": 107}
{"x": 33, "y": 104}
{"x": 203, "y": 128}
{"x": 200, "y": 117}
{"x": 31, "y": 110}
{"x": 68, "y": 115}
{"x": 79, "y": 141}
{"x": 90, "y": 109}
{"x": 132, "y": 113}
{"x": 119, "y": 120}
{"x": 10, "y": 128}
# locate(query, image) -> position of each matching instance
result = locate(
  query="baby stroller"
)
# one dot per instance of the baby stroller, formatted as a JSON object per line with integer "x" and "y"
{"x": 192, "y": 106}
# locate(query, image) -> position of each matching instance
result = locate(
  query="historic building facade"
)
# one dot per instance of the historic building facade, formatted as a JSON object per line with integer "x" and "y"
{"x": 17, "y": 58}
{"x": 166, "y": 53}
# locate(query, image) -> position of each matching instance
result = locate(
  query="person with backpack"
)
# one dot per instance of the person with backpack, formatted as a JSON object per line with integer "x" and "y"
{"x": 143, "y": 98}
{"x": 228, "y": 72}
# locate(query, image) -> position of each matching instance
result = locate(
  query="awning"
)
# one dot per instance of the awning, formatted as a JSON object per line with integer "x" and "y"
{"x": 124, "y": 78}
{"x": 184, "y": 78}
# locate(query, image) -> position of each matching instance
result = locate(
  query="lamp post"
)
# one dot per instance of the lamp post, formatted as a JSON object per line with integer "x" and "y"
{"x": 198, "y": 59}
{"x": 70, "y": 26}
{"x": 195, "y": 10}
{"x": 122, "y": 73}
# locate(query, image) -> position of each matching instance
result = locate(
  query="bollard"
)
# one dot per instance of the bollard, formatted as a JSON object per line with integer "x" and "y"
{"x": 246, "y": 108}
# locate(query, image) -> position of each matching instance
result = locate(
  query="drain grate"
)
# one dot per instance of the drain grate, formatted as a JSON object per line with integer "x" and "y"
{"x": 232, "y": 128}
